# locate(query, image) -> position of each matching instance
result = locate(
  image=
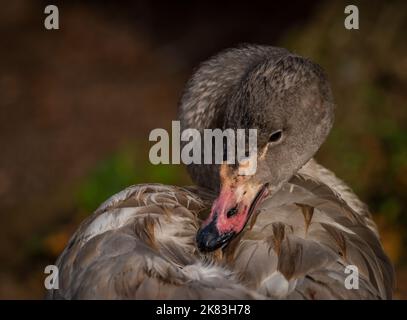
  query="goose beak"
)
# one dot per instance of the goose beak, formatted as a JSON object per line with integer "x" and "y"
{"x": 229, "y": 215}
{"x": 208, "y": 238}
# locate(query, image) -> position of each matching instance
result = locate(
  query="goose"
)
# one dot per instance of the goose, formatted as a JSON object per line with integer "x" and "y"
{"x": 292, "y": 230}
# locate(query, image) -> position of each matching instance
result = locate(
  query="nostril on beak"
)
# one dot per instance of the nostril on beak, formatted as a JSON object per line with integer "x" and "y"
{"x": 232, "y": 212}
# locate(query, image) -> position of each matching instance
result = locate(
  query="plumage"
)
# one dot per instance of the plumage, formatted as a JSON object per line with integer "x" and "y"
{"x": 297, "y": 244}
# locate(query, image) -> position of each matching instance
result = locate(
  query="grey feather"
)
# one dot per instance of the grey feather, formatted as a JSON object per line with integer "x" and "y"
{"x": 140, "y": 243}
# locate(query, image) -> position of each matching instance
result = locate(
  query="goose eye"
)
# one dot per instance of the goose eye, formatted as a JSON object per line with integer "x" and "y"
{"x": 276, "y": 136}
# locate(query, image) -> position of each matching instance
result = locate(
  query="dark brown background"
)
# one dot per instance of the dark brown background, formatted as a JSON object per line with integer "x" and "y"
{"x": 77, "y": 104}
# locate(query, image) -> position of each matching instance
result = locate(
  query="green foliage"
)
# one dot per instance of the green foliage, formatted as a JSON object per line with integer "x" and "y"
{"x": 120, "y": 170}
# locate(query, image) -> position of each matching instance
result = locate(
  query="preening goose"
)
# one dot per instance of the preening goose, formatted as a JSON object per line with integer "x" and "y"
{"x": 287, "y": 232}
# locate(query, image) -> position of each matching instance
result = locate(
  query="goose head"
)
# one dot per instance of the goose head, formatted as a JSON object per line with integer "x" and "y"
{"x": 289, "y": 103}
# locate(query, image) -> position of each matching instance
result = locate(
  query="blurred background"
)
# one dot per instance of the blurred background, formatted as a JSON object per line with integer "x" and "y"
{"x": 77, "y": 105}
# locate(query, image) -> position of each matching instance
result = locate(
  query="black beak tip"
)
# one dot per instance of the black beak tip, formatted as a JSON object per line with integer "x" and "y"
{"x": 208, "y": 238}
{"x": 206, "y": 241}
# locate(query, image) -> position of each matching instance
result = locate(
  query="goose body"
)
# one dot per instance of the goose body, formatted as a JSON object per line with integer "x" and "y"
{"x": 298, "y": 243}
